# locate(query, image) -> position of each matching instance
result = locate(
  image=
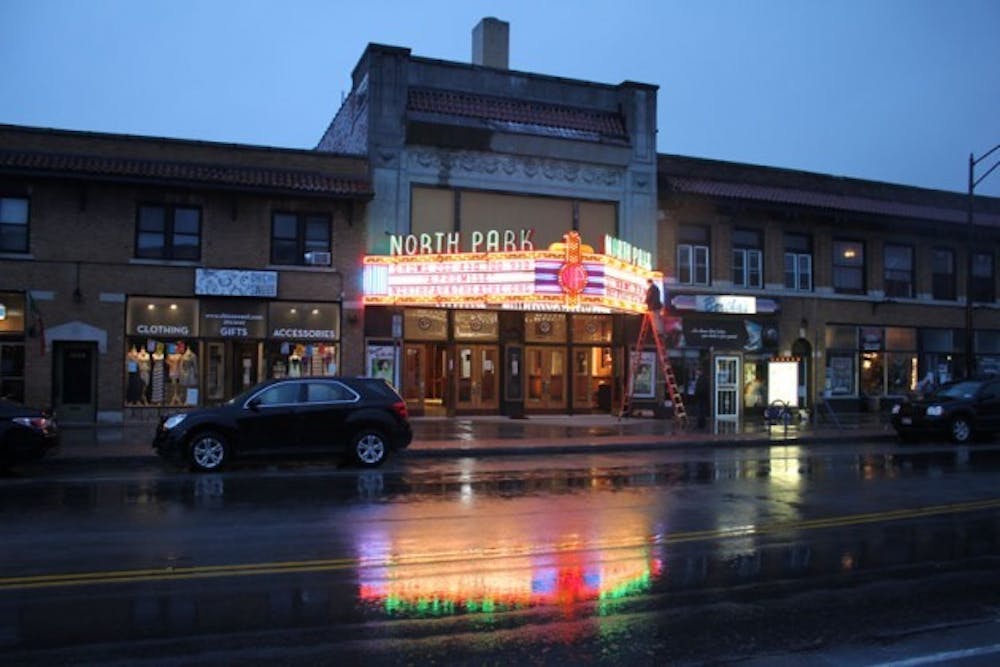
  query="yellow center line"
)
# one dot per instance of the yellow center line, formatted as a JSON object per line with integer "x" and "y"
{"x": 484, "y": 554}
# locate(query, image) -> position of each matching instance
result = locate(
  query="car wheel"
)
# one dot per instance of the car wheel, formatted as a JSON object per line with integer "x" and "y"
{"x": 369, "y": 448}
{"x": 208, "y": 451}
{"x": 960, "y": 430}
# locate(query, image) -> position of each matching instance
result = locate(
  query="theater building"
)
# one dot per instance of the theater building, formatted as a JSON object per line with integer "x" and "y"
{"x": 484, "y": 179}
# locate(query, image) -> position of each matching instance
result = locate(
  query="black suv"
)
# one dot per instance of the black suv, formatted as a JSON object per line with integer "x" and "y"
{"x": 959, "y": 410}
{"x": 363, "y": 417}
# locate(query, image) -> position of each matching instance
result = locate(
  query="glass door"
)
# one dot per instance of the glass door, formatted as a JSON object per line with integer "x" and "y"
{"x": 477, "y": 384}
{"x": 414, "y": 388}
{"x": 546, "y": 371}
{"x": 584, "y": 391}
{"x": 727, "y": 388}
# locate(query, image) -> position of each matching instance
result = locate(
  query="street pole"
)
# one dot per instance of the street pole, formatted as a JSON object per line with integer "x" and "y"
{"x": 970, "y": 362}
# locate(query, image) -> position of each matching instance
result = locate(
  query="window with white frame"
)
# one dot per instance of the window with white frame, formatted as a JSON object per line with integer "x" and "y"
{"x": 798, "y": 262}
{"x": 897, "y": 278}
{"x": 748, "y": 258}
{"x": 692, "y": 255}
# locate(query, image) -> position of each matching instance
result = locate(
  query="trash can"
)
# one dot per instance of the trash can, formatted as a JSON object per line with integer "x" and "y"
{"x": 604, "y": 397}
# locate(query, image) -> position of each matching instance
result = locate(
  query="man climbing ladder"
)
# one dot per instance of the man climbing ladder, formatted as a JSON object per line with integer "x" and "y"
{"x": 652, "y": 323}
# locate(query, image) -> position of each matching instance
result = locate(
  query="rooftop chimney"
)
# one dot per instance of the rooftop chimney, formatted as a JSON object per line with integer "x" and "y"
{"x": 490, "y": 43}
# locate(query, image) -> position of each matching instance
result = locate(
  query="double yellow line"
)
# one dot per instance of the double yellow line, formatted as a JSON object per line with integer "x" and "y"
{"x": 444, "y": 557}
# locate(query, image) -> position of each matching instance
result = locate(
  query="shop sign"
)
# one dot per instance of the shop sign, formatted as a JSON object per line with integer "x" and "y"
{"x": 448, "y": 243}
{"x": 871, "y": 339}
{"x": 233, "y": 319}
{"x": 235, "y": 282}
{"x": 162, "y": 317}
{"x": 566, "y": 277}
{"x": 730, "y": 333}
{"x": 728, "y": 304}
{"x": 303, "y": 321}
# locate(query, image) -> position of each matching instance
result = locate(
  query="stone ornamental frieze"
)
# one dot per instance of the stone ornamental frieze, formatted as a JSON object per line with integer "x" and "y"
{"x": 514, "y": 167}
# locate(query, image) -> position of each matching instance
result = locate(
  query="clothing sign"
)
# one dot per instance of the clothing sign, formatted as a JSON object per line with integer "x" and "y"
{"x": 235, "y": 282}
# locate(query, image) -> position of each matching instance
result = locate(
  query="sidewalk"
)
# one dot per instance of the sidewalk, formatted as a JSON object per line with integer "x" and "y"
{"x": 495, "y": 435}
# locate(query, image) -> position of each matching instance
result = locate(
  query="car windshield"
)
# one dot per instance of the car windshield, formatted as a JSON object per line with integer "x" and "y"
{"x": 966, "y": 389}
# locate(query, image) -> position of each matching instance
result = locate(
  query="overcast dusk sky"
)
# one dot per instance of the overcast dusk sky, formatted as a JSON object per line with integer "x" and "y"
{"x": 891, "y": 90}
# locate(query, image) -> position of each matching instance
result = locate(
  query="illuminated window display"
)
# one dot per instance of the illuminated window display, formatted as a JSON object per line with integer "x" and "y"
{"x": 302, "y": 339}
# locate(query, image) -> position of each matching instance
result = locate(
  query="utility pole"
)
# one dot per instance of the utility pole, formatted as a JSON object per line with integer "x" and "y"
{"x": 970, "y": 362}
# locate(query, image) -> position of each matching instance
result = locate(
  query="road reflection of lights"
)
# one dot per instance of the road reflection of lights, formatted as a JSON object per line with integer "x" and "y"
{"x": 847, "y": 561}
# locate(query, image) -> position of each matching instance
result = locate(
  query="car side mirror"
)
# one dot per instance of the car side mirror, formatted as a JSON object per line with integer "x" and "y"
{"x": 254, "y": 404}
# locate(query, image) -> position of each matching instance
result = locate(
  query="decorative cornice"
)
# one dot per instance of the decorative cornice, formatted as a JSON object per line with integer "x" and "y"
{"x": 516, "y": 167}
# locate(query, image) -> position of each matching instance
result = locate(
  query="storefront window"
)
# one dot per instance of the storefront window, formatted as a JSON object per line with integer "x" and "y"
{"x": 160, "y": 372}
{"x": 840, "y": 377}
{"x": 12, "y": 306}
{"x": 872, "y": 373}
{"x": 754, "y": 383}
{"x": 302, "y": 339}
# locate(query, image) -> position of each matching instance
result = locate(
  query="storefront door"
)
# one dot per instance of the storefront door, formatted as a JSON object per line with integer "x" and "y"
{"x": 546, "y": 378}
{"x": 584, "y": 386}
{"x": 424, "y": 378}
{"x": 476, "y": 383}
{"x": 74, "y": 386}
{"x": 727, "y": 388}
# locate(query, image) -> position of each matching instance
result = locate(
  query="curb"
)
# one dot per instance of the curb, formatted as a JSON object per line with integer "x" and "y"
{"x": 438, "y": 449}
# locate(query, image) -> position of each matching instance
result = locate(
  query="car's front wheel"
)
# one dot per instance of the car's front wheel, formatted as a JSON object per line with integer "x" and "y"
{"x": 960, "y": 430}
{"x": 208, "y": 451}
{"x": 369, "y": 448}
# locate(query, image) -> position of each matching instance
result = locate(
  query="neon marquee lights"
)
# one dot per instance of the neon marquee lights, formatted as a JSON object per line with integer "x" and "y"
{"x": 568, "y": 277}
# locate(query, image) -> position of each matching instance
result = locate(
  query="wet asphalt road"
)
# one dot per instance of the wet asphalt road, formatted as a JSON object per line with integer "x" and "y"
{"x": 687, "y": 556}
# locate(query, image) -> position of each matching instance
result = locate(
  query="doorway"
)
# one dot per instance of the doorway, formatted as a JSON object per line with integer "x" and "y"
{"x": 74, "y": 382}
{"x": 476, "y": 381}
{"x": 424, "y": 378}
{"x": 727, "y": 387}
{"x": 231, "y": 367}
{"x": 546, "y": 371}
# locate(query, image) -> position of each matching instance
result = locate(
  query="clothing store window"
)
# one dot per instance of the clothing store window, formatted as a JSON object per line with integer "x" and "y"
{"x": 692, "y": 255}
{"x": 161, "y": 352}
{"x": 798, "y": 262}
{"x": 748, "y": 258}
{"x": 849, "y": 267}
{"x": 168, "y": 232}
{"x": 303, "y": 339}
{"x": 943, "y": 274}
{"x": 983, "y": 278}
{"x": 302, "y": 239}
{"x": 13, "y": 224}
{"x": 898, "y": 266}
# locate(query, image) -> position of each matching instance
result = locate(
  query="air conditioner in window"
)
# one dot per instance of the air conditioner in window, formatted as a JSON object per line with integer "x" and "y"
{"x": 314, "y": 258}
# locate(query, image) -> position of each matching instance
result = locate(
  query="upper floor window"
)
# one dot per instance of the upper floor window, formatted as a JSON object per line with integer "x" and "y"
{"x": 168, "y": 232}
{"x": 983, "y": 277}
{"x": 13, "y": 224}
{"x": 898, "y": 271}
{"x": 300, "y": 239}
{"x": 943, "y": 274}
{"x": 692, "y": 255}
{"x": 849, "y": 267}
{"x": 798, "y": 262}
{"x": 748, "y": 259}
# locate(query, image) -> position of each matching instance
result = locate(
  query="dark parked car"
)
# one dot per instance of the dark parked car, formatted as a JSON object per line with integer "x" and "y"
{"x": 959, "y": 410}
{"x": 26, "y": 434}
{"x": 363, "y": 417}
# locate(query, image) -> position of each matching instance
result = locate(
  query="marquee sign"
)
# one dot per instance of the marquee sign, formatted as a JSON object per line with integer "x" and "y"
{"x": 507, "y": 272}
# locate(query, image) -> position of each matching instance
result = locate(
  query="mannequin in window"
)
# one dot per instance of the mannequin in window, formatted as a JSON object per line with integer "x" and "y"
{"x": 156, "y": 394}
{"x": 174, "y": 372}
{"x": 189, "y": 368}
{"x": 133, "y": 391}
{"x": 145, "y": 371}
